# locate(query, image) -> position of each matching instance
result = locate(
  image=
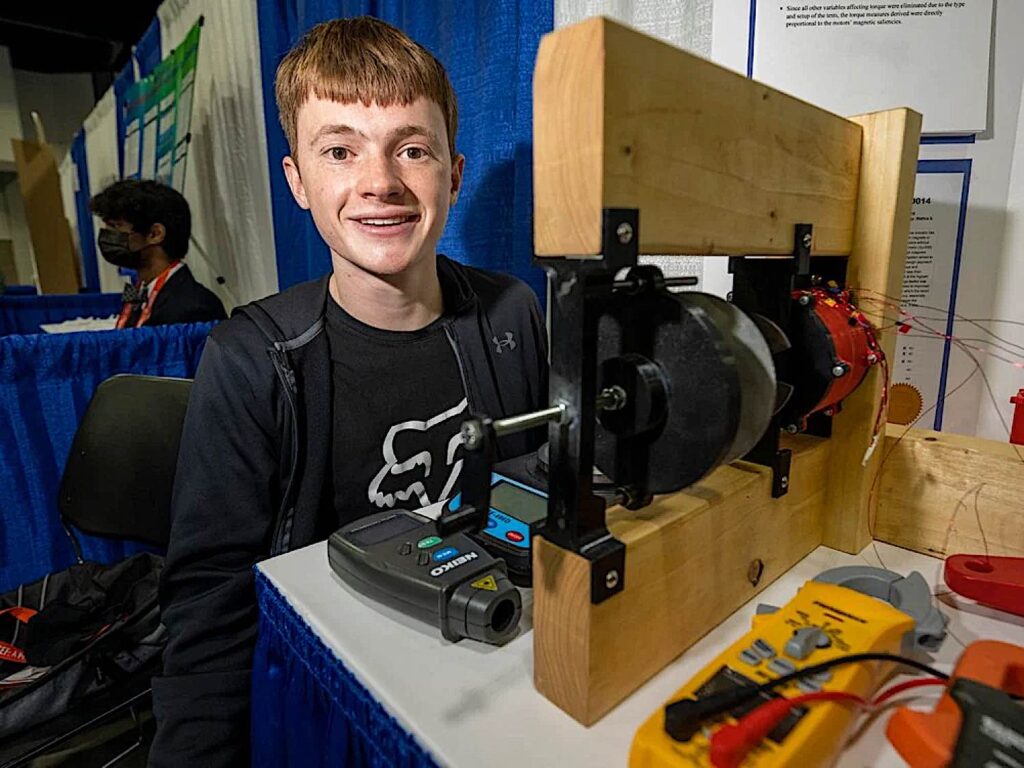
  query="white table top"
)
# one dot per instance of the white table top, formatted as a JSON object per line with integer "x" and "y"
{"x": 471, "y": 704}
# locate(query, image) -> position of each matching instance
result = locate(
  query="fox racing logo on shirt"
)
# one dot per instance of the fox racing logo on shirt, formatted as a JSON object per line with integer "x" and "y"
{"x": 407, "y": 468}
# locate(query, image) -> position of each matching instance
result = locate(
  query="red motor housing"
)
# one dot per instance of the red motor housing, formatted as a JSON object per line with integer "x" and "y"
{"x": 833, "y": 348}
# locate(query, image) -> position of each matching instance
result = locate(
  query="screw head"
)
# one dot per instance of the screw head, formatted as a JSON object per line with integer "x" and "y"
{"x": 805, "y": 300}
{"x": 611, "y": 579}
{"x": 624, "y": 232}
{"x": 471, "y": 434}
{"x": 792, "y": 429}
{"x": 807, "y": 240}
{"x": 872, "y": 358}
{"x": 839, "y": 370}
{"x": 784, "y": 483}
{"x": 755, "y": 571}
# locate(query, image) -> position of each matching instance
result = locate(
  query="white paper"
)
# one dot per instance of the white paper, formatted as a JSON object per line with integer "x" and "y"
{"x": 923, "y": 356}
{"x": 79, "y": 324}
{"x": 857, "y": 56}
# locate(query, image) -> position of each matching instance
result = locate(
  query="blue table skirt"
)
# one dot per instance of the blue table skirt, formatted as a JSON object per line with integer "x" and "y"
{"x": 20, "y": 314}
{"x": 307, "y": 708}
{"x": 46, "y": 383}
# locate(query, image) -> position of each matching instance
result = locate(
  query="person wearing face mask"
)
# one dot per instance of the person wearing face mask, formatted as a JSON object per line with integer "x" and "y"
{"x": 146, "y": 229}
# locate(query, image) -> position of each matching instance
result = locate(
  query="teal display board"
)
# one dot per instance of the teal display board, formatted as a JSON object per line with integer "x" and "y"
{"x": 157, "y": 112}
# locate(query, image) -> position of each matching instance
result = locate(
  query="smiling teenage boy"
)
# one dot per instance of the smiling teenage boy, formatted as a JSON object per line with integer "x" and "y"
{"x": 343, "y": 396}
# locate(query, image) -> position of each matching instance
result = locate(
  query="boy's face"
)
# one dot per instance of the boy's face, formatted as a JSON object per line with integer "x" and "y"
{"x": 378, "y": 180}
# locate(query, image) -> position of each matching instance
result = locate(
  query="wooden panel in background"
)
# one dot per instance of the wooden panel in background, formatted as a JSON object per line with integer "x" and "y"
{"x": 57, "y": 264}
{"x": 888, "y": 168}
{"x": 687, "y": 561}
{"x": 944, "y": 494}
{"x": 716, "y": 163}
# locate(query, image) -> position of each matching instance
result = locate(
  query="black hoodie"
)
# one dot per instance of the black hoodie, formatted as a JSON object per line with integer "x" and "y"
{"x": 254, "y": 474}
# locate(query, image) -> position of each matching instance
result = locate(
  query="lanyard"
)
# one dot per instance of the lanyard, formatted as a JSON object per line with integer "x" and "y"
{"x": 147, "y": 308}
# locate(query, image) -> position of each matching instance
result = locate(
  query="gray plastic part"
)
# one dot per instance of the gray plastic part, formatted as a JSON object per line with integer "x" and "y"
{"x": 750, "y": 657}
{"x": 803, "y": 641}
{"x": 782, "y": 667}
{"x": 910, "y": 594}
{"x": 763, "y": 649}
{"x": 808, "y": 685}
{"x": 764, "y": 609}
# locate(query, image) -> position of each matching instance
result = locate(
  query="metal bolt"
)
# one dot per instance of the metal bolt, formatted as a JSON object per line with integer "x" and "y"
{"x": 624, "y": 232}
{"x": 792, "y": 429}
{"x": 729, "y": 296}
{"x": 784, "y": 483}
{"x": 612, "y": 398}
{"x": 611, "y": 579}
{"x": 839, "y": 370}
{"x": 471, "y": 435}
{"x": 754, "y": 572}
{"x": 805, "y": 300}
{"x": 872, "y": 358}
{"x": 807, "y": 240}
{"x": 830, "y": 412}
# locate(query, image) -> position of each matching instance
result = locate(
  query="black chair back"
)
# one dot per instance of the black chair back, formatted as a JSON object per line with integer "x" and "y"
{"x": 119, "y": 476}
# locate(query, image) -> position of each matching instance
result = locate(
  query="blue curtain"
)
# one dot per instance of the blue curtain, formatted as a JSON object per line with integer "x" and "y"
{"x": 86, "y": 234}
{"x": 308, "y": 710}
{"x": 25, "y": 314}
{"x": 148, "y": 51}
{"x": 46, "y": 382}
{"x": 489, "y": 50}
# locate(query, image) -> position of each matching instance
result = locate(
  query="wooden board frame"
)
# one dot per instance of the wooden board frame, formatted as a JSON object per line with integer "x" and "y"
{"x": 691, "y": 559}
{"x": 715, "y": 163}
{"x": 943, "y": 494}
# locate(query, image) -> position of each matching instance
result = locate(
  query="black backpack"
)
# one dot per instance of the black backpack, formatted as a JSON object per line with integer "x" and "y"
{"x": 81, "y": 644}
{"x": 75, "y": 634}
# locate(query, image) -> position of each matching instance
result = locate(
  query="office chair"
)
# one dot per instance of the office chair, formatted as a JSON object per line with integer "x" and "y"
{"x": 117, "y": 482}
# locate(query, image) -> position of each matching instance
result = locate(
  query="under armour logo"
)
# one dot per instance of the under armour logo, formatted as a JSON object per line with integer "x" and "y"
{"x": 501, "y": 344}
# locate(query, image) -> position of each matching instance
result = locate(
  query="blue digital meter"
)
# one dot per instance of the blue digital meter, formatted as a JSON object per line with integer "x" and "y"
{"x": 517, "y": 512}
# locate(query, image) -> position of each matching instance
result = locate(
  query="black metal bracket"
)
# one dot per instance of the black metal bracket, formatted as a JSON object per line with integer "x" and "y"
{"x": 479, "y": 441}
{"x": 765, "y": 286}
{"x": 580, "y": 288}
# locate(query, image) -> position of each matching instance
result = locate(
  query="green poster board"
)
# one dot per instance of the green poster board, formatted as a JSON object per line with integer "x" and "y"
{"x": 158, "y": 115}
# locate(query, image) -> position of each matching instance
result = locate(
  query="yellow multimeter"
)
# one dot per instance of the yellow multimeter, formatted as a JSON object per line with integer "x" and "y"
{"x": 844, "y": 611}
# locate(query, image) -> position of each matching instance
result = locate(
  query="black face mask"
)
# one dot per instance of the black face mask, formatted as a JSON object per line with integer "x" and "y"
{"x": 114, "y": 248}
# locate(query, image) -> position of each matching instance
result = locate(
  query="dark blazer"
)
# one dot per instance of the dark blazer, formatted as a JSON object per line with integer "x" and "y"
{"x": 184, "y": 300}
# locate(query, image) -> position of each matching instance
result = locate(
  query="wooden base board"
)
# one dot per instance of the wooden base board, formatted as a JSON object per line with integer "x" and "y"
{"x": 688, "y": 566}
{"x": 943, "y": 494}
